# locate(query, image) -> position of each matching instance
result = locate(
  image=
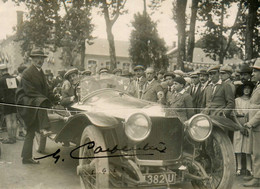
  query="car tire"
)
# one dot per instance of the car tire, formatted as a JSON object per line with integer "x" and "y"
{"x": 97, "y": 175}
{"x": 228, "y": 166}
{"x": 39, "y": 142}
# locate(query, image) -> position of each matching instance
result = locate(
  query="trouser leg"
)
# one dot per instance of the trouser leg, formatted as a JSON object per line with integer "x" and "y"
{"x": 14, "y": 125}
{"x": 8, "y": 121}
{"x": 256, "y": 154}
{"x": 28, "y": 142}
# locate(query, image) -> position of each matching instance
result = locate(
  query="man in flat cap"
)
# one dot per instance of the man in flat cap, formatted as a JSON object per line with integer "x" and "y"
{"x": 136, "y": 86}
{"x": 218, "y": 97}
{"x": 195, "y": 90}
{"x": 33, "y": 91}
{"x": 254, "y": 124}
{"x": 225, "y": 75}
{"x": 169, "y": 90}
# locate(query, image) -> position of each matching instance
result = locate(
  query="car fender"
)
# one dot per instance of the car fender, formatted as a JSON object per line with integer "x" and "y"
{"x": 224, "y": 123}
{"x": 75, "y": 125}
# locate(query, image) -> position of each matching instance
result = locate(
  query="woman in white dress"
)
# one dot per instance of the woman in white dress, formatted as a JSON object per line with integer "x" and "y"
{"x": 242, "y": 141}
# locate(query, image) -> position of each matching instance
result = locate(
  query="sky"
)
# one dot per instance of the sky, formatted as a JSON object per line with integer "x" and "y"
{"x": 122, "y": 28}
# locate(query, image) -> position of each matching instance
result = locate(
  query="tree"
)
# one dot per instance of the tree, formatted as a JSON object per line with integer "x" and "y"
{"x": 77, "y": 29}
{"x": 214, "y": 13}
{"x": 179, "y": 10}
{"x": 42, "y": 28}
{"x": 191, "y": 39}
{"x": 111, "y": 10}
{"x": 146, "y": 48}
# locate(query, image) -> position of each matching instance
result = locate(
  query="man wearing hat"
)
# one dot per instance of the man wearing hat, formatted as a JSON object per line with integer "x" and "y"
{"x": 218, "y": 97}
{"x": 136, "y": 86}
{"x": 34, "y": 91}
{"x": 117, "y": 72}
{"x": 169, "y": 90}
{"x": 69, "y": 86}
{"x": 195, "y": 90}
{"x": 102, "y": 71}
{"x": 160, "y": 76}
{"x": 225, "y": 75}
{"x": 254, "y": 124}
{"x": 8, "y": 86}
{"x": 152, "y": 90}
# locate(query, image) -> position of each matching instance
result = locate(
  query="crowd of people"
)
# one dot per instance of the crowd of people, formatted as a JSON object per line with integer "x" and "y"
{"x": 216, "y": 91}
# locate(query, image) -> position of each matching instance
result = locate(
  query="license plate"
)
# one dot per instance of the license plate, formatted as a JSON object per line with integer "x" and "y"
{"x": 155, "y": 178}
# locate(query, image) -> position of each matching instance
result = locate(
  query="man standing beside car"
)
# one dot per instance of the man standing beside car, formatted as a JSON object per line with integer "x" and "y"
{"x": 218, "y": 98}
{"x": 254, "y": 124}
{"x": 152, "y": 90}
{"x": 33, "y": 91}
{"x": 136, "y": 86}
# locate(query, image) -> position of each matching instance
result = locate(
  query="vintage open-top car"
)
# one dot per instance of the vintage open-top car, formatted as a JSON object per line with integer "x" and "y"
{"x": 122, "y": 141}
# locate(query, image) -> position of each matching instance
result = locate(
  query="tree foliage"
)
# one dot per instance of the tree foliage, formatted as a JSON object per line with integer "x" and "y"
{"x": 146, "y": 47}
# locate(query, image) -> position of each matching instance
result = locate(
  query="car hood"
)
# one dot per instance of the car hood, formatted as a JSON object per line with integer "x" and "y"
{"x": 118, "y": 104}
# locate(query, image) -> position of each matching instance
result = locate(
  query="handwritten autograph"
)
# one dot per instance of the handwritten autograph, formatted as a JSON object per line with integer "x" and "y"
{"x": 161, "y": 148}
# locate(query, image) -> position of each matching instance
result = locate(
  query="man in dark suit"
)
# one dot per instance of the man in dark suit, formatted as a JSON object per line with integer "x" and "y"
{"x": 136, "y": 86}
{"x": 8, "y": 85}
{"x": 152, "y": 90}
{"x": 218, "y": 97}
{"x": 169, "y": 90}
{"x": 195, "y": 90}
{"x": 254, "y": 124}
{"x": 33, "y": 91}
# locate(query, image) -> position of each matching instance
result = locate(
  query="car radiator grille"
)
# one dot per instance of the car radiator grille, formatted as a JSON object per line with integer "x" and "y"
{"x": 169, "y": 131}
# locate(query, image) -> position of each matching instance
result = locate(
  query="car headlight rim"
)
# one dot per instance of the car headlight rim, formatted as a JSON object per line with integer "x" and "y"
{"x": 133, "y": 116}
{"x": 190, "y": 124}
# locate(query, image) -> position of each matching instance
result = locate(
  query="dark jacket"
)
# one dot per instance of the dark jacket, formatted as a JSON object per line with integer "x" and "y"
{"x": 220, "y": 101}
{"x": 150, "y": 92}
{"x": 33, "y": 91}
{"x": 181, "y": 103}
{"x": 8, "y": 86}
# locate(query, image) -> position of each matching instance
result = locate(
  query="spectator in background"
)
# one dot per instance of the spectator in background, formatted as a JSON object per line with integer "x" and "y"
{"x": 117, "y": 72}
{"x": 254, "y": 124}
{"x": 69, "y": 88}
{"x": 242, "y": 141}
{"x": 181, "y": 101}
{"x": 225, "y": 76}
{"x": 8, "y": 86}
{"x": 160, "y": 76}
{"x": 169, "y": 77}
{"x": 195, "y": 90}
{"x": 245, "y": 75}
{"x": 136, "y": 86}
{"x": 21, "y": 68}
{"x": 218, "y": 96}
{"x": 152, "y": 90}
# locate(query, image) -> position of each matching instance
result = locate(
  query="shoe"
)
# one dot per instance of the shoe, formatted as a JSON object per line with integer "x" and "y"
{"x": 30, "y": 161}
{"x": 238, "y": 173}
{"x": 21, "y": 134}
{"x": 255, "y": 182}
{"x": 248, "y": 178}
{"x": 8, "y": 141}
{"x": 45, "y": 132}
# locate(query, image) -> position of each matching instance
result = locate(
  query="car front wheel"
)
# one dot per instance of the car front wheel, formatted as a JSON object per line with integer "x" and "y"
{"x": 93, "y": 169}
{"x": 218, "y": 160}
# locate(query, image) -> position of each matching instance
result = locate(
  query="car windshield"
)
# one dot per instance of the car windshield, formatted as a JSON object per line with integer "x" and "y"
{"x": 90, "y": 84}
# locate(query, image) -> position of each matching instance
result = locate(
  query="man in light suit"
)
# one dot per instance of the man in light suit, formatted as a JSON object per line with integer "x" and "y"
{"x": 218, "y": 97}
{"x": 152, "y": 90}
{"x": 254, "y": 124}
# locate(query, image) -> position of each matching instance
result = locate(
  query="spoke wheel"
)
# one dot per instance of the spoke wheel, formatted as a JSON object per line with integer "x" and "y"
{"x": 95, "y": 171}
{"x": 218, "y": 160}
{"x": 39, "y": 142}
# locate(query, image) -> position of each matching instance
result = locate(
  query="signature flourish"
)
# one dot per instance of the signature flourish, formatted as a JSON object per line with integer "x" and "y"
{"x": 161, "y": 148}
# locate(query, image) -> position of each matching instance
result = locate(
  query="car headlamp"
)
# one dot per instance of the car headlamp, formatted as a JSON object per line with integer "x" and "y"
{"x": 199, "y": 127}
{"x": 138, "y": 126}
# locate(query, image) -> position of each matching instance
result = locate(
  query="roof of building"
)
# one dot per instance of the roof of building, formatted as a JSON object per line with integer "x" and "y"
{"x": 199, "y": 56}
{"x": 101, "y": 47}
